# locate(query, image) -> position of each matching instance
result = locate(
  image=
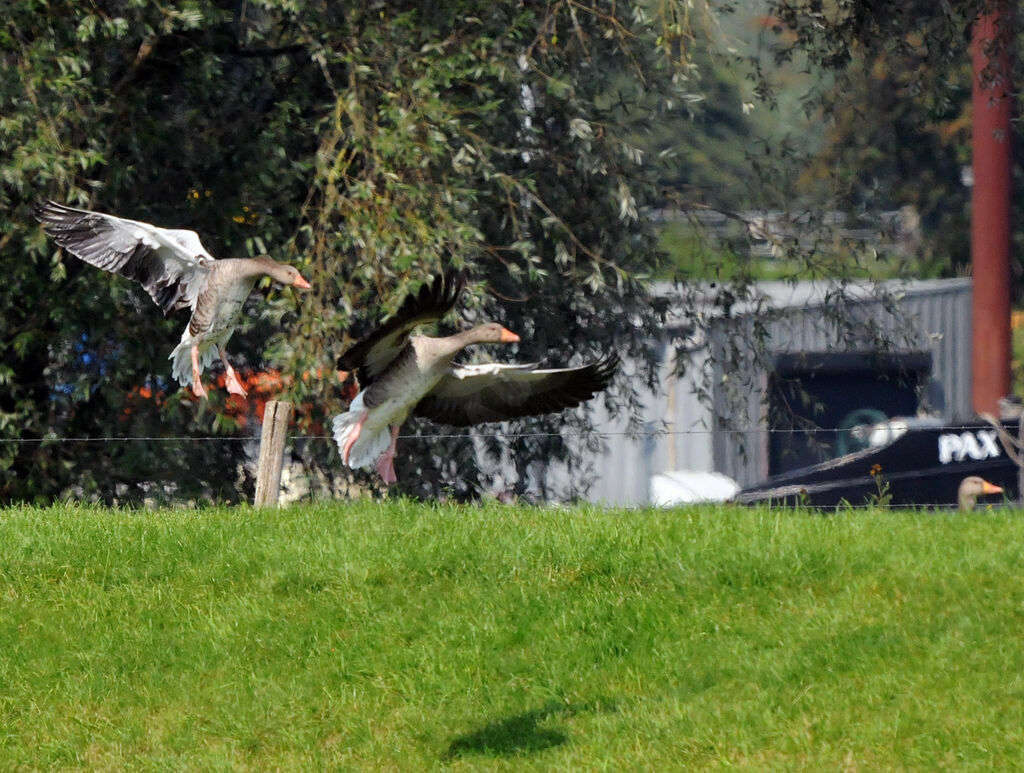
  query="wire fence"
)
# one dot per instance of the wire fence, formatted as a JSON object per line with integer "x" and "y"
{"x": 875, "y": 496}
{"x": 637, "y": 434}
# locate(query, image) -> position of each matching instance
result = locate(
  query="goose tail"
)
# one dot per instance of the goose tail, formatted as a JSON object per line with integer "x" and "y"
{"x": 181, "y": 367}
{"x": 364, "y": 444}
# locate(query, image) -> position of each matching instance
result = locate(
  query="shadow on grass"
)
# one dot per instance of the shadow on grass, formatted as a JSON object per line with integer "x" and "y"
{"x": 522, "y": 733}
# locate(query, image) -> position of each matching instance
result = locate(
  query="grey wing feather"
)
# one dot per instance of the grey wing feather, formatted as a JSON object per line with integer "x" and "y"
{"x": 475, "y": 394}
{"x": 375, "y": 353}
{"x": 170, "y": 264}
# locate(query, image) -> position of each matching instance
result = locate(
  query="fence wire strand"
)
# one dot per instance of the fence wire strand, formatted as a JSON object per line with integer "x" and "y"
{"x": 843, "y": 507}
{"x": 641, "y": 434}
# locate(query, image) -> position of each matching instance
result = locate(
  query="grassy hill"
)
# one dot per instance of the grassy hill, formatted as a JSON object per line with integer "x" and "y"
{"x": 410, "y": 637}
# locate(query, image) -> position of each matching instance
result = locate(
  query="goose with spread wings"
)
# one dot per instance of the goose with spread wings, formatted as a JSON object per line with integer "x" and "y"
{"x": 176, "y": 270}
{"x": 401, "y": 374}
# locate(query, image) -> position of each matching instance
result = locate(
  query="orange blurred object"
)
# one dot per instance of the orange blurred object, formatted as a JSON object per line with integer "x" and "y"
{"x": 262, "y": 387}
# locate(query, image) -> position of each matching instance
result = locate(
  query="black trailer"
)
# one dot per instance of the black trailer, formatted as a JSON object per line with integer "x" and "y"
{"x": 919, "y": 465}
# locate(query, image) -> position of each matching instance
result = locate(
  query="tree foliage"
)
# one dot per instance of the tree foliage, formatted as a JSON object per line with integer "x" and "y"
{"x": 370, "y": 144}
{"x": 896, "y": 107}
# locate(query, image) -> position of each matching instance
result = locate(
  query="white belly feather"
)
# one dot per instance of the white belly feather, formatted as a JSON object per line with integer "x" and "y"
{"x": 375, "y": 434}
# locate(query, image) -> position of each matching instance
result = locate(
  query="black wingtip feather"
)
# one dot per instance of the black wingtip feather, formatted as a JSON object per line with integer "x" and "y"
{"x": 433, "y": 299}
{"x": 595, "y": 378}
{"x": 49, "y": 212}
{"x": 606, "y": 368}
{"x": 437, "y": 297}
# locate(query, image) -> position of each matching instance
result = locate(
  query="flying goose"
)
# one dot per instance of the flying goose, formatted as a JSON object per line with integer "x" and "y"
{"x": 177, "y": 272}
{"x": 400, "y": 374}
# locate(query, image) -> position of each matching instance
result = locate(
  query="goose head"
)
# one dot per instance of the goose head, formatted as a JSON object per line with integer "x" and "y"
{"x": 282, "y": 272}
{"x": 491, "y": 333}
{"x": 973, "y": 487}
{"x": 487, "y": 333}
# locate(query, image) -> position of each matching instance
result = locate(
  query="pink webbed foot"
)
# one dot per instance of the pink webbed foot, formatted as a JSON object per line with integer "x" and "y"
{"x": 386, "y": 468}
{"x": 232, "y": 383}
{"x": 386, "y": 463}
{"x": 197, "y": 384}
{"x": 346, "y": 452}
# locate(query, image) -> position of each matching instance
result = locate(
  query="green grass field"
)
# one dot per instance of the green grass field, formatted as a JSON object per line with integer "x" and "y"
{"x": 411, "y": 637}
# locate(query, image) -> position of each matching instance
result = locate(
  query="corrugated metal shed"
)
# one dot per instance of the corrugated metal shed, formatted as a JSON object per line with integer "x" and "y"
{"x": 684, "y": 432}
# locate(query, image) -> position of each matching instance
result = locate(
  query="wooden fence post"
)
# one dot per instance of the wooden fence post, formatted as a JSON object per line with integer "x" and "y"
{"x": 272, "y": 437}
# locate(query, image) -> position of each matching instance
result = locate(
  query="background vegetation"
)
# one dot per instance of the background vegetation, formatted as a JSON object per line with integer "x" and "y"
{"x": 372, "y": 144}
{"x": 408, "y": 637}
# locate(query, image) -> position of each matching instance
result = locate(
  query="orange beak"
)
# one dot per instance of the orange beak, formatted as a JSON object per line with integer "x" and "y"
{"x": 990, "y": 488}
{"x": 508, "y": 337}
{"x": 301, "y": 283}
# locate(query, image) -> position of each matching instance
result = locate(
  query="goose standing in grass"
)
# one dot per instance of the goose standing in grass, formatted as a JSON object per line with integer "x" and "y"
{"x": 401, "y": 375}
{"x": 177, "y": 272}
{"x": 972, "y": 487}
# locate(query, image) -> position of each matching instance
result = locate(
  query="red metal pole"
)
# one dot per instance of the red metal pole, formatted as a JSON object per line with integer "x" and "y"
{"x": 990, "y": 205}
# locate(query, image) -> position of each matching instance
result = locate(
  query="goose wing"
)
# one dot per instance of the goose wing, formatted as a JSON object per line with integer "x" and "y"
{"x": 474, "y": 394}
{"x": 171, "y": 265}
{"x": 375, "y": 353}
